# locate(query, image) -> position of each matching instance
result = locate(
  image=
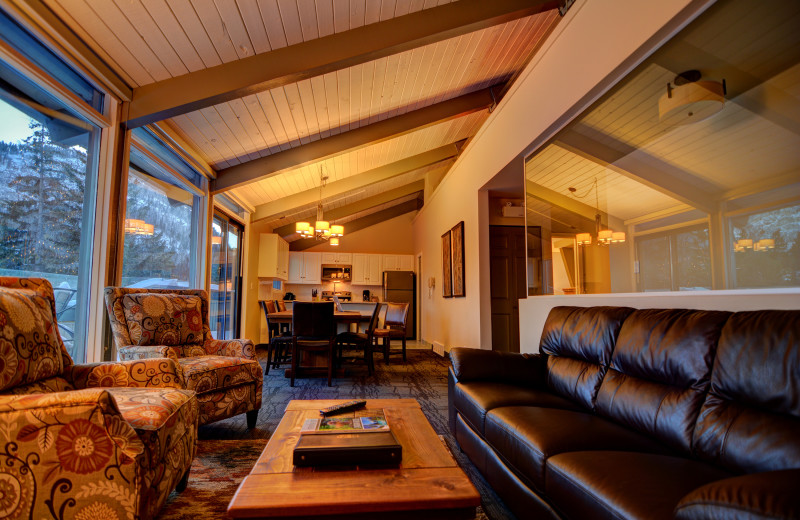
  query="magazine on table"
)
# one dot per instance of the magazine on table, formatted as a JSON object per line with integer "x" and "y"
{"x": 364, "y": 421}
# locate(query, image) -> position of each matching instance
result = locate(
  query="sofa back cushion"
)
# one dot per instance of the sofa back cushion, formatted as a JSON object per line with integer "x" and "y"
{"x": 30, "y": 349}
{"x": 579, "y": 342}
{"x": 660, "y": 372}
{"x": 163, "y": 319}
{"x": 750, "y": 420}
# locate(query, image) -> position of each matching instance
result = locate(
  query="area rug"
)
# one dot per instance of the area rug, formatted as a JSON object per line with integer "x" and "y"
{"x": 217, "y": 471}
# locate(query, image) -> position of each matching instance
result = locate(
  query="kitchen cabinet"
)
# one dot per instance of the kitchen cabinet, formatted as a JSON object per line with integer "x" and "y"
{"x": 366, "y": 269}
{"x": 305, "y": 267}
{"x": 337, "y": 258}
{"x": 273, "y": 257}
{"x": 398, "y": 262}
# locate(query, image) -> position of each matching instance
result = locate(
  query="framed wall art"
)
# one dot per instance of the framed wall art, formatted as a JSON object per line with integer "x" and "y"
{"x": 457, "y": 241}
{"x": 447, "y": 271}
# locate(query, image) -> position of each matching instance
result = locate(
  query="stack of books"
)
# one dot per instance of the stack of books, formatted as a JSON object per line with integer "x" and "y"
{"x": 358, "y": 438}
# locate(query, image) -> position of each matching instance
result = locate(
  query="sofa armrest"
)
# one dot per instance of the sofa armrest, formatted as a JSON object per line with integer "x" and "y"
{"x": 154, "y": 372}
{"x": 134, "y": 352}
{"x": 771, "y": 494}
{"x": 487, "y": 365}
{"x": 242, "y": 348}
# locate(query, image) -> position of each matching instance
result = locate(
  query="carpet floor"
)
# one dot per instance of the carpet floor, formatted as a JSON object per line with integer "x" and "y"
{"x": 227, "y": 449}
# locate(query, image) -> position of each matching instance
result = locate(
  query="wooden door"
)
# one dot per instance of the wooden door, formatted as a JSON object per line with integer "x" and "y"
{"x": 508, "y": 285}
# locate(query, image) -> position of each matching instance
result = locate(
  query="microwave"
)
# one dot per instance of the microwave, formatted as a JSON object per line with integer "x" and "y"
{"x": 333, "y": 273}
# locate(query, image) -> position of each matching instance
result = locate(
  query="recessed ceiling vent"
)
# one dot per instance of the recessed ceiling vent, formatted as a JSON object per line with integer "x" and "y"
{"x": 690, "y": 99}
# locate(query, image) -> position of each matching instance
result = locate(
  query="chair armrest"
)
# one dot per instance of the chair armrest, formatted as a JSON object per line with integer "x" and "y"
{"x": 134, "y": 352}
{"x": 487, "y": 365}
{"x": 37, "y": 421}
{"x": 157, "y": 372}
{"x": 771, "y": 494}
{"x": 242, "y": 348}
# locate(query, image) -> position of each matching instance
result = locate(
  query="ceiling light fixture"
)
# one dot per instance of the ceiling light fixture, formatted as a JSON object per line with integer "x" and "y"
{"x": 138, "y": 227}
{"x": 691, "y": 100}
{"x": 604, "y": 236}
{"x": 322, "y": 229}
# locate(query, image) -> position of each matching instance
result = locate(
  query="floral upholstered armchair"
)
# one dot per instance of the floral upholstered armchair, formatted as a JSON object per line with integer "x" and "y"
{"x": 149, "y": 323}
{"x": 103, "y": 440}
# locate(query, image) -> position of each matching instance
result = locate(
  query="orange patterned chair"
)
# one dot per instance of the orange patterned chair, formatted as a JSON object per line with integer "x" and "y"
{"x": 102, "y": 440}
{"x": 171, "y": 323}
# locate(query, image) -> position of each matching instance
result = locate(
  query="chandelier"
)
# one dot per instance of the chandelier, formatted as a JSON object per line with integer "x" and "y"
{"x": 604, "y": 236}
{"x": 138, "y": 227}
{"x": 322, "y": 229}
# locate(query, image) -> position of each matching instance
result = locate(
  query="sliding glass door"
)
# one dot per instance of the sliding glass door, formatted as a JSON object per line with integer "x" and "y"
{"x": 226, "y": 276}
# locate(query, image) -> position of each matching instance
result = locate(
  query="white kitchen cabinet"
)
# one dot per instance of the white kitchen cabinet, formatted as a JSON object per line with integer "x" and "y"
{"x": 398, "y": 262}
{"x": 305, "y": 268}
{"x": 331, "y": 258}
{"x": 273, "y": 257}
{"x": 366, "y": 269}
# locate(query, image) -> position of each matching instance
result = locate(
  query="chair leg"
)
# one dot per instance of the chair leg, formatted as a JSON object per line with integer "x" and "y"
{"x": 270, "y": 349}
{"x": 294, "y": 363}
{"x": 252, "y": 417}
{"x": 404, "y": 349}
{"x": 183, "y": 482}
{"x": 331, "y": 355}
{"x": 387, "y": 344}
{"x": 368, "y": 357}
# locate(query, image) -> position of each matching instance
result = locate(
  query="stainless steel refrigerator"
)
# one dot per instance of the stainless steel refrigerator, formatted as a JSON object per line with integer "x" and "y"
{"x": 400, "y": 287}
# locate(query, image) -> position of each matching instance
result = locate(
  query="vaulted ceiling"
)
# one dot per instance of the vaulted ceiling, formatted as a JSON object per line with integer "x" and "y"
{"x": 274, "y": 94}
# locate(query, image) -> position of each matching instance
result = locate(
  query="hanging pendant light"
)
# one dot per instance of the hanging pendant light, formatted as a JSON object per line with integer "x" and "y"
{"x": 604, "y": 236}
{"x": 322, "y": 229}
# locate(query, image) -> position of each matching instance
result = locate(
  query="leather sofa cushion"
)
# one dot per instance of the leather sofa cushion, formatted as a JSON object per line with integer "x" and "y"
{"x": 614, "y": 485}
{"x": 579, "y": 341}
{"x": 660, "y": 372}
{"x": 761, "y": 495}
{"x": 473, "y": 400}
{"x": 526, "y": 436}
{"x": 750, "y": 420}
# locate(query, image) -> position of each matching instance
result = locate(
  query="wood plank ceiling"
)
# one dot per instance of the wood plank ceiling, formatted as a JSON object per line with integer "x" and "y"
{"x": 148, "y": 41}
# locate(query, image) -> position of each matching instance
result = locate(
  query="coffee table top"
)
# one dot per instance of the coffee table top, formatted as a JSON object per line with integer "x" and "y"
{"x": 428, "y": 478}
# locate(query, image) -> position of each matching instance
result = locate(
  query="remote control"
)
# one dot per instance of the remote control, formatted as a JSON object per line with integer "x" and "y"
{"x": 344, "y": 407}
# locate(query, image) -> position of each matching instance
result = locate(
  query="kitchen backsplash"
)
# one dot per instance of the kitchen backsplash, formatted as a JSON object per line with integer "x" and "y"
{"x": 303, "y": 291}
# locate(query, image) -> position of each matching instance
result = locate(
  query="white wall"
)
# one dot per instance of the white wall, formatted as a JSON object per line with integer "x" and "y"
{"x": 594, "y": 39}
{"x": 533, "y": 311}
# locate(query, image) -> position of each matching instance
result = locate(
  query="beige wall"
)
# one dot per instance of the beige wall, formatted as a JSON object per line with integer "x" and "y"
{"x": 392, "y": 236}
{"x": 595, "y": 38}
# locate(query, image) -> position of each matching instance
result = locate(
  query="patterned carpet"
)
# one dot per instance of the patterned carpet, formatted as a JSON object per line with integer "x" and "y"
{"x": 224, "y": 459}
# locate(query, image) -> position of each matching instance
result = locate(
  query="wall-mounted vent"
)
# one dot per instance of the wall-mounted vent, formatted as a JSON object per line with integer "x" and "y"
{"x": 438, "y": 348}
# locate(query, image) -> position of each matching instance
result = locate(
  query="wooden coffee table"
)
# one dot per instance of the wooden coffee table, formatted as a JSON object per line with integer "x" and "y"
{"x": 428, "y": 483}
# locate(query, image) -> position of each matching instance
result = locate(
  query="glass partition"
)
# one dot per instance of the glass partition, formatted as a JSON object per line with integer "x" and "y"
{"x": 684, "y": 176}
{"x": 226, "y": 276}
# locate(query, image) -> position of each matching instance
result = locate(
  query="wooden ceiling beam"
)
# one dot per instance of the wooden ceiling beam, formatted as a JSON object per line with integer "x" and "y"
{"x": 363, "y": 223}
{"x": 640, "y": 166}
{"x": 361, "y": 205}
{"x": 367, "y": 135}
{"x": 356, "y": 182}
{"x": 577, "y": 207}
{"x": 236, "y": 79}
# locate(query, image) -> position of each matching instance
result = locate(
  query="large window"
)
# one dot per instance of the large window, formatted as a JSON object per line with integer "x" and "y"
{"x": 47, "y": 203}
{"x": 226, "y": 277}
{"x": 684, "y": 175}
{"x": 160, "y": 231}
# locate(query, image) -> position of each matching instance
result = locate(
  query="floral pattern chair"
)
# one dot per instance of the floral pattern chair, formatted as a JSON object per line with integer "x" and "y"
{"x": 102, "y": 440}
{"x": 149, "y": 323}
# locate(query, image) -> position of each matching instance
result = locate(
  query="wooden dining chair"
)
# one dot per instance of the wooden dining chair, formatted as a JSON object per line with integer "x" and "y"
{"x": 360, "y": 340}
{"x": 280, "y": 342}
{"x": 313, "y": 329}
{"x": 394, "y": 327}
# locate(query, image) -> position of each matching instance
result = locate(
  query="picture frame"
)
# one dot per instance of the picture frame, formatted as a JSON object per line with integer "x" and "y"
{"x": 447, "y": 270}
{"x": 457, "y": 241}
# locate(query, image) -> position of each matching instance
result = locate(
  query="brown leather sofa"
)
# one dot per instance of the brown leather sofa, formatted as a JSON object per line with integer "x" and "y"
{"x": 650, "y": 413}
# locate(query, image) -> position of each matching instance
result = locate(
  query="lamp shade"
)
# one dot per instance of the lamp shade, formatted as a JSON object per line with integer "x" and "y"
{"x": 745, "y": 243}
{"x": 618, "y": 237}
{"x": 766, "y": 244}
{"x": 302, "y": 227}
{"x": 691, "y": 102}
{"x": 334, "y": 241}
{"x": 337, "y": 230}
{"x": 322, "y": 225}
{"x": 583, "y": 239}
{"x": 604, "y": 236}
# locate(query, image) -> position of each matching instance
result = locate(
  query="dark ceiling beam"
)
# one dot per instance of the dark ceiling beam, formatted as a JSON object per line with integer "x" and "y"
{"x": 640, "y": 166}
{"x": 358, "y": 206}
{"x": 367, "y": 135}
{"x": 363, "y": 223}
{"x": 570, "y": 204}
{"x": 236, "y": 79}
{"x": 278, "y": 207}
